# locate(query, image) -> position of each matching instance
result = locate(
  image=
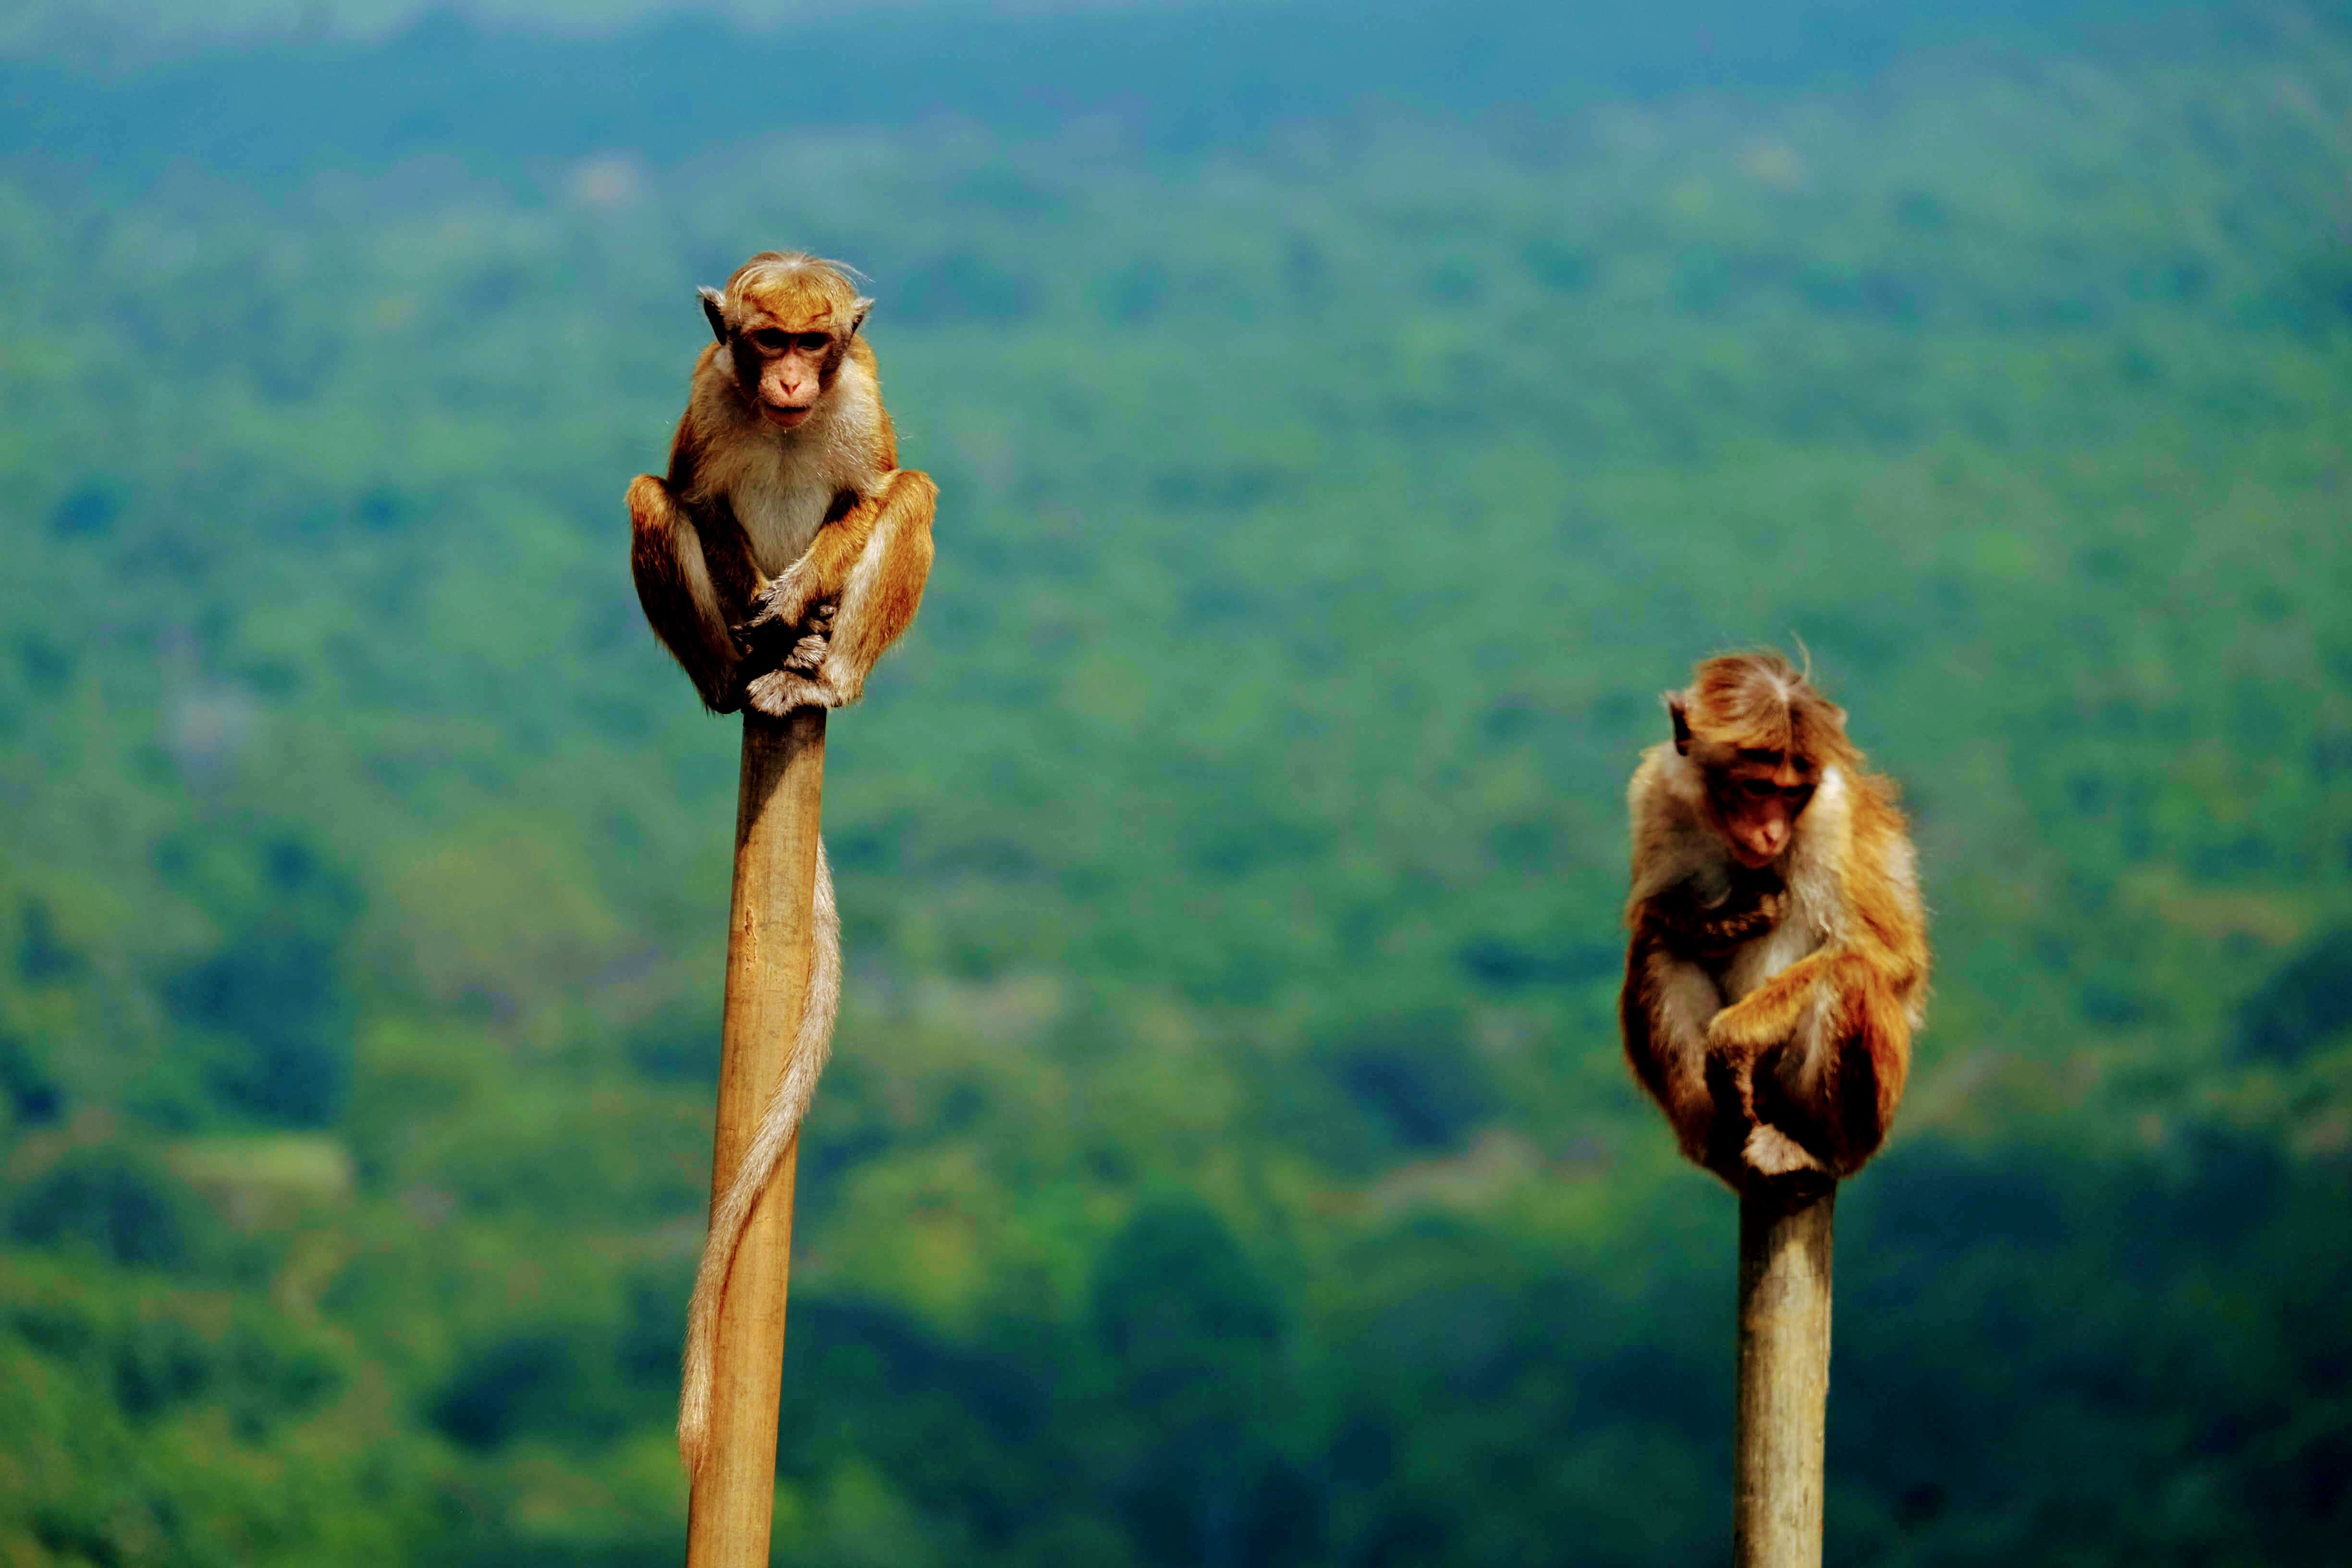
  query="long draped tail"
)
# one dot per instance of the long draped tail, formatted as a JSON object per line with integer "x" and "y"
{"x": 779, "y": 1124}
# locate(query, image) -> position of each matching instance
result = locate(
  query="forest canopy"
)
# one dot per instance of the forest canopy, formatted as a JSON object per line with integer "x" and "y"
{"x": 1227, "y": 1157}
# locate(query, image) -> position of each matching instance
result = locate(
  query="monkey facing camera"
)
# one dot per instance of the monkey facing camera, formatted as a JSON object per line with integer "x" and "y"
{"x": 785, "y": 550}
{"x": 781, "y": 555}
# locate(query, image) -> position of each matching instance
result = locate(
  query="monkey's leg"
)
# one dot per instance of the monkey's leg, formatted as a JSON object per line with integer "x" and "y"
{"x": 885, "y": 588}
{"x": 1775, "y": 1031}
{"x": 1747, "y": 1143}
{"x": 878, "y": 599}
{"x": 1747, "y": 1151}
{"x": 1829, "y": 1091}
{"x": 1781, "y": 1141}
{"x": 1663, "y": 1010}
{"x": 674, "y": 585}
{"x": 1866, "y": 1057}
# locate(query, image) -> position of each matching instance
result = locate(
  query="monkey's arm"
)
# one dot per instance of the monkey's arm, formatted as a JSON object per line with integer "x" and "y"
{"x": 1708, "y": 1091}
{"x": 879, "y": 593}
{"x": 1662, "y": 1011}
{"x": 1770, "y": 1015}
{"x": 788, "y": 601}
{"x": 674, "y": 585}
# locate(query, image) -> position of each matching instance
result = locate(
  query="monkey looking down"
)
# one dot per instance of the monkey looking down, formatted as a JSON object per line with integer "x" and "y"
{"x": 1779, "y": 960}
{"x": 784, "y": 553}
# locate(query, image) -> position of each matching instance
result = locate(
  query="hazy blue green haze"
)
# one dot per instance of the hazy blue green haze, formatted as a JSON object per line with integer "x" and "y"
{"x": 1343, "y": 436}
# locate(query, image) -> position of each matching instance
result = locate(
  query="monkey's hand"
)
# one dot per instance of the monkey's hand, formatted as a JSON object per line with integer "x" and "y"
{"x": 783, "y": 608}
{"x": 795, "y": 681}
{"x": 806, "y": 656}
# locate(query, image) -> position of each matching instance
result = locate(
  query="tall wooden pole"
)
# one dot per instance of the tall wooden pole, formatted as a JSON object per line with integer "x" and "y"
{"x": 768, "y": 956}
{"x": 1784, "y": 1382}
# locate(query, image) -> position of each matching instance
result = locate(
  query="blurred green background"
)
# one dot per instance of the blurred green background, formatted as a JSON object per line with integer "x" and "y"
{"x": 1348, "y": 417}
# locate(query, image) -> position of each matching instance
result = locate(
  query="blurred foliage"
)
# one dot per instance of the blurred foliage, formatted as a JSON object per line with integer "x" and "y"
{"x": 110, "y": 1203}
{"x": 1227, "y": 1159}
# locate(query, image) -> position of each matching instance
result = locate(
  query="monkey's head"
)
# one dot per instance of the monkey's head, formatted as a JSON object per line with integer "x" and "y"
{"x": 787, "y": 319}
{"x": 1760, "y": 736}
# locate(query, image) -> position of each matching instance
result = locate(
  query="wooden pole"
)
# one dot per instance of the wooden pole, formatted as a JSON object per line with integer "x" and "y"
{"x": 1784, "y": 1382}
{"x": 768, "y": 956}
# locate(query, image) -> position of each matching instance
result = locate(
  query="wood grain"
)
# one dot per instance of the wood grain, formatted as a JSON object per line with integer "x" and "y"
{"x": 768, "y": 955}
{"x": 1784, "y": 1382}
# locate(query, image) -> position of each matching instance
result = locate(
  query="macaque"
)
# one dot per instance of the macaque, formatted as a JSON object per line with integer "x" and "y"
{"x": 1779, "y": 961}
{"x": 783, "y": 553}
{"x": 786, "y": 550}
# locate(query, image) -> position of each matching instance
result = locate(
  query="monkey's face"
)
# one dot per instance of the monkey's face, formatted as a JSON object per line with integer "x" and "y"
{"x": 786, "y": 371}
{"x": 1756, "y": 798}
{"x": 786, "y": 321}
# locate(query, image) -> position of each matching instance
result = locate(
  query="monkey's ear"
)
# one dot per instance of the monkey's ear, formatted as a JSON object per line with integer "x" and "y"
{"x": 857, "y": 309}
{"x": 714, "y": 308}
{"x": 1676, "y": 711}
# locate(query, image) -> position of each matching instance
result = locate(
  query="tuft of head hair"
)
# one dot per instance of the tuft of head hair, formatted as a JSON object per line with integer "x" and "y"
{"x": 798, "y": 289}
{"x": 1757, "y": 701}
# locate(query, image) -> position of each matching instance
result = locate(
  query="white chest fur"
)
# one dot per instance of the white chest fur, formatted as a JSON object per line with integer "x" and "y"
{"x": 781, "y": 505}
{"x": 782, "y": 484}
{"x": 1758, "y": 961}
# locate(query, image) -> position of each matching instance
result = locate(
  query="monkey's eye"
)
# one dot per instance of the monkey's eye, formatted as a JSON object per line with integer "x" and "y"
{"x": 1759, "y": 789}
{"x": 770, "y": 341}
{"x": 814, "y": 343}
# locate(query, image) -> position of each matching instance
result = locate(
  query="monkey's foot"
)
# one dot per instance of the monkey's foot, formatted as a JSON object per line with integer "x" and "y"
{"x": 779, "y": 691}
{"x": 806, "y": 656}
{"x": 1770, "y": 1153}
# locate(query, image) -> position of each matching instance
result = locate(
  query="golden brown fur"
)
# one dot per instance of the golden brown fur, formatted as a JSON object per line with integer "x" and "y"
{"x": 1768, "y": 1007}
{"x": 777, "y": 562}
{"x": 781, "y": 555}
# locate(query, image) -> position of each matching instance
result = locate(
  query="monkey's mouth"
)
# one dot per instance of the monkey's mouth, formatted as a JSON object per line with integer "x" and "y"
{"x": 787, "y": 415}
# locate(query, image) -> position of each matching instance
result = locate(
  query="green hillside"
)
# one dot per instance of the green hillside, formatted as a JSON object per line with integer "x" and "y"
{"x": 1227, "y": 1158}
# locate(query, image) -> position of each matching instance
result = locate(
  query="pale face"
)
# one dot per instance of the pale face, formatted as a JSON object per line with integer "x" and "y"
{"x": 795, "y": 366}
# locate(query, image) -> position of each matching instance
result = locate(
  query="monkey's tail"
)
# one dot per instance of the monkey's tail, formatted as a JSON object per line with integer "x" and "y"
{"x": 779, "y": 1123}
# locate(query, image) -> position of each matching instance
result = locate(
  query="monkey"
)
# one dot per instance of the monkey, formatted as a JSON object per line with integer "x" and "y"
{"x": 786, "y": 525}
{"x": 782, "y": 555}
{"x": 1778, "y": 965}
